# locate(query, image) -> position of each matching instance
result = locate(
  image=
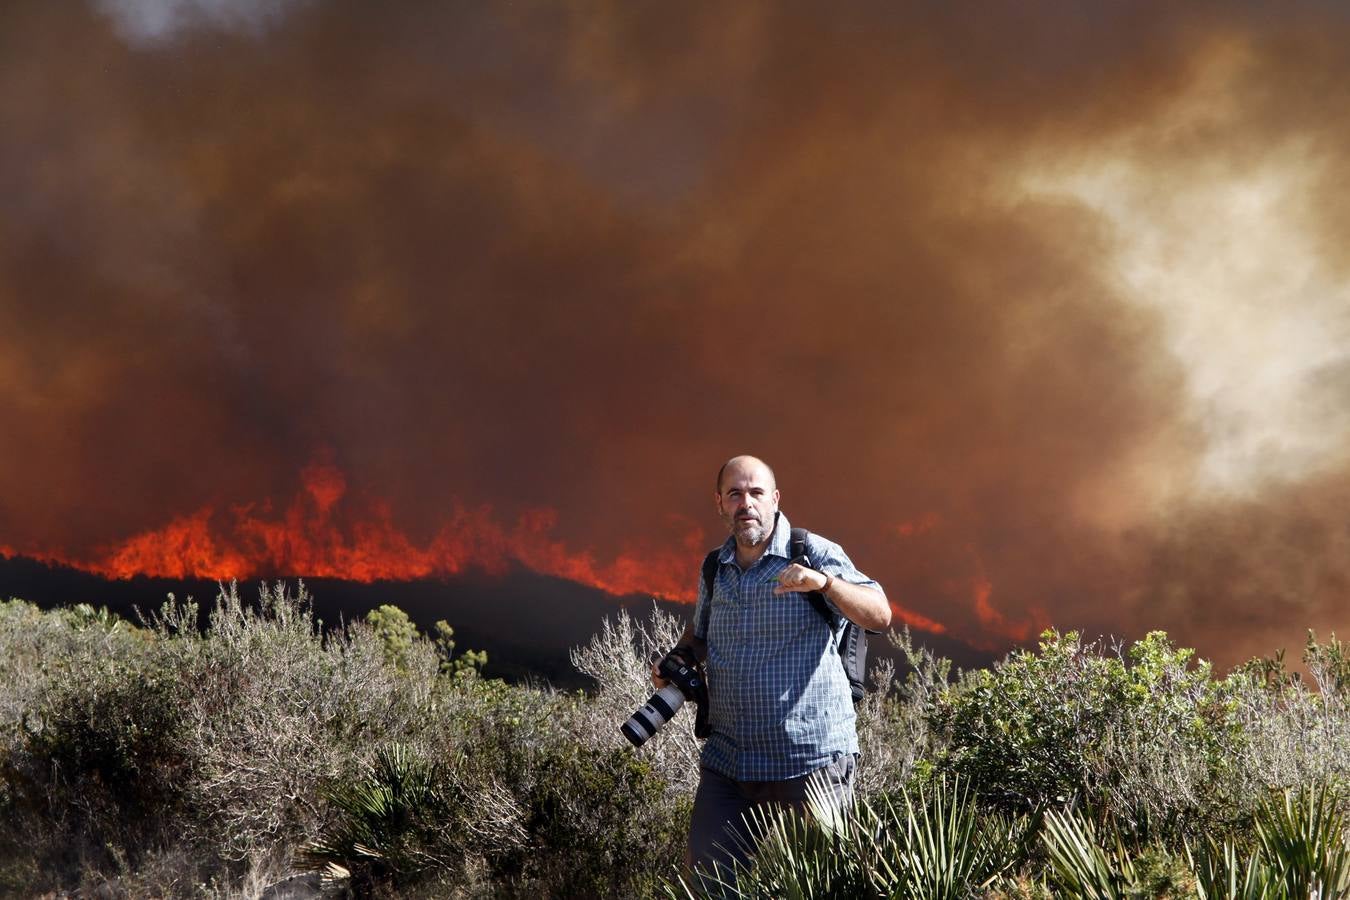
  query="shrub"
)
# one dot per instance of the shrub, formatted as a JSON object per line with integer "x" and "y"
{"x": 1293, "y": 737}
{"x": 1150, "y": 742}
{"x": 1303, "y": 841}
{"x": 599, "y": 823}
{"x": 390, "y": 828}
{"x": 895, "y": 737}
{"x": 1084, "y": 866}
{"x": 278, "y": 710}
{"x": 180, "y": 760}
{"x": 395, "y": 632}
{"x": 595, "y": 820}
{"x": 618, "y": 658}
{"x": 1299, "y": 850}
{"x": 104, "y": 761}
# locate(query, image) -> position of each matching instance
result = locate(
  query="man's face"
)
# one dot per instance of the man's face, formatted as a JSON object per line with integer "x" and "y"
{"x": 747, "y": 500}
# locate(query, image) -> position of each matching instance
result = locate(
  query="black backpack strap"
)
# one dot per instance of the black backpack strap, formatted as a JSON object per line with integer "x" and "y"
{"x": 797, "y": 549}
{"x": 711, "y": 563}
{"x": 852, "y": 639}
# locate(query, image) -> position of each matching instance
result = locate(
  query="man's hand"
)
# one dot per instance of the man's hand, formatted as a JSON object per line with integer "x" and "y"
{"x": 695, "y": 650}
{"x": 860, "y": 604}
{"x": 798, "y": 579}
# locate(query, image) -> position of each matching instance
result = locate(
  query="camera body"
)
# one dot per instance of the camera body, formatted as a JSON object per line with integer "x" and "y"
{"x": 681, "y": 669}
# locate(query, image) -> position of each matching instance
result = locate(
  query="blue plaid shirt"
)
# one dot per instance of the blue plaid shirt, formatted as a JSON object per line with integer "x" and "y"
{"x": 780, "y": 705}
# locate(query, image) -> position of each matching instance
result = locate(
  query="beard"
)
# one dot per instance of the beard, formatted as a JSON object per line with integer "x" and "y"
{"x": 749, "y": 533}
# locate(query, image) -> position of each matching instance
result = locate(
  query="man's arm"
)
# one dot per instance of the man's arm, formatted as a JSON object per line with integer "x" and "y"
{"x": 865, "y": 606}
{"x": 697, "y": 645}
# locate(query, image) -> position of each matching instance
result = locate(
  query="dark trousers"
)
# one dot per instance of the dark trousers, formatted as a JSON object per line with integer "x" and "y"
{"x": 719, "y": 834}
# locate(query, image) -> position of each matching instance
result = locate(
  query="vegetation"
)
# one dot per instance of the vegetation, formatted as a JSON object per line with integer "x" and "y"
{"x": 166, "y": 759}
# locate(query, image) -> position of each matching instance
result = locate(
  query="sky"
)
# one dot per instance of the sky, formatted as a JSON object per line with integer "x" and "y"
{"x": 1041, "y": 311}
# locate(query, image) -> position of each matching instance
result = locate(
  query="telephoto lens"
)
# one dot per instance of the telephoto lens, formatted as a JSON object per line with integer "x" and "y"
{"x": 648, "y": 720}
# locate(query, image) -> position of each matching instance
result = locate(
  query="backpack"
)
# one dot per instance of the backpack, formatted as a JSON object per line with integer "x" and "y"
{"x": 853, "y": 638}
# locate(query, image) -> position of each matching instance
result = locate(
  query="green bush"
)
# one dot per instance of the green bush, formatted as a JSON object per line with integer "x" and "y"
{"x": 1146, "y": 739}
{"x": 599, "y": 823}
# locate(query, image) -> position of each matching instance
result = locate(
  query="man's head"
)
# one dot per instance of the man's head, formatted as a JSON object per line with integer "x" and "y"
{"x": 747, "y": 499}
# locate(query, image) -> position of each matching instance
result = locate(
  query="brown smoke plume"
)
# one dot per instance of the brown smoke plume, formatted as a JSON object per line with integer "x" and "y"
{"x": 1038, "y": 311}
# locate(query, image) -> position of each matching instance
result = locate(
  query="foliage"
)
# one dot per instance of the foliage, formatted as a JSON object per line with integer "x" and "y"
{"x": 563, "y": 788}
{"x": 1302, "y": 839}
{"x": 388, "y": 825}
{"x": 101, "y": 757}
{"x": 467, "y": 661}
{"x": 1293, "y": 736}
{"x": 618, "y": 659}
{"x": 1144, "y": 738}
{"x": 184, "y": 757}
{"x": 950, "y": 846}
{"x": 895, "y": 736}
{"x": 1080, "y": 866}
{"x": 1221, "y": 875}
{"x": 395, "y": 632}
{"x": 935, "y": 844}
{"x": 1300, "y": 850}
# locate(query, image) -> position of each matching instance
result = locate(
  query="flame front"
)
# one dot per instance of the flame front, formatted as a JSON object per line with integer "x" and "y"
{"x": 319, "y": 535}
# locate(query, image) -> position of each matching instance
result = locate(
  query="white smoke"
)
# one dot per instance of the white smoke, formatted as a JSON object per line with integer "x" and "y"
{"x": 1224, "y": 248}
{"x": 144, "y": 23}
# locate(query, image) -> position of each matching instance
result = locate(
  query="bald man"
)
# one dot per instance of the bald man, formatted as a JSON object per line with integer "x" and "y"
{"x": 780, "y": 707}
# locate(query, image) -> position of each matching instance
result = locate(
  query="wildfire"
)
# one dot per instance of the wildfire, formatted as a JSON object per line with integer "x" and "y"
{"x": 994, "y": 619}
{"x": 320, "y": 535}
{"x": 915, "y": 620}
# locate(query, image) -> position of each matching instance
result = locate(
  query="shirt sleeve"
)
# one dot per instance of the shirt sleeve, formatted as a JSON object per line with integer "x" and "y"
{"x": 830, "y": 559}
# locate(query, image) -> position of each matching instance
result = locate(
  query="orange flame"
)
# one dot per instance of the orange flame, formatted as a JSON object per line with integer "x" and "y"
{"x": 917, "y": 620}
{"x": 310, "y": 538}
{"x": 993, "y": 619}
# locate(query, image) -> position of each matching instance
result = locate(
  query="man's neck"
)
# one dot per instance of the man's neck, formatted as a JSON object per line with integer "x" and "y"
{"x": 748, "y": 556}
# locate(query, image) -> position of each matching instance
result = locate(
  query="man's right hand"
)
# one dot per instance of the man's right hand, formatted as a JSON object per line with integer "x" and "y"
{"x": 696, "y": 649}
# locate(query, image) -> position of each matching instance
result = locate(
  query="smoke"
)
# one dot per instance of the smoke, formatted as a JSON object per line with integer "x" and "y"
{"x": 148, "y": 23}
{"x": 1043, "y": 318}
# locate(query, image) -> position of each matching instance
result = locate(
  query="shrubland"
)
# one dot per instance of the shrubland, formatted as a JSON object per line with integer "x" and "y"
{"x": 171, "y": 758}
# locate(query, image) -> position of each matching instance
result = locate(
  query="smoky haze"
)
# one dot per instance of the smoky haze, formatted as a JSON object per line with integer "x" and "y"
{"x": 1040, "y": 312}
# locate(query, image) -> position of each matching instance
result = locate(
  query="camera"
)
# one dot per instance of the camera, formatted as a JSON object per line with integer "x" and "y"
{"x": 680, "y": 668}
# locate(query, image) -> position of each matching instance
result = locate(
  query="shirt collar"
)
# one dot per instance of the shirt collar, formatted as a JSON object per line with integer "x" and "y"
{"x": 779, "y": 541}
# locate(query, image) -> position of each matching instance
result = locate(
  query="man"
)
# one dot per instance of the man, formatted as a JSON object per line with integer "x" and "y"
{"x": 781, "y": 711}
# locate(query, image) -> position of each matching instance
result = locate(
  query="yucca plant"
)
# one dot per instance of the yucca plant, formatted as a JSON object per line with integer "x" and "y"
{"x": 1080, "y": 865}
{"x": 386, "y": 824}
{"x": 1301, "y": 852}
{"x": 950, "y": 849}
{"x": 830, "y": 851}
{"x": 1221, "y": 875}
{"x": 931, "y": 845}
{"x": 1302, "y": 837}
